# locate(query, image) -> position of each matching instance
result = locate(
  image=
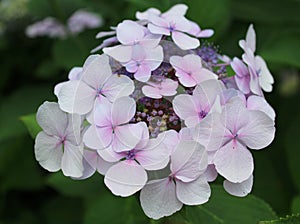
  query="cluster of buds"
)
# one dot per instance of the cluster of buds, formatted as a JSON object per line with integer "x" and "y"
{"x": 155, "y": 101}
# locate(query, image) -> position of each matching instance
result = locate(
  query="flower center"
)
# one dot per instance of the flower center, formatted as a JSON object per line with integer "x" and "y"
{"x": 202, "y": 114}
{"x": 130, "y": 155}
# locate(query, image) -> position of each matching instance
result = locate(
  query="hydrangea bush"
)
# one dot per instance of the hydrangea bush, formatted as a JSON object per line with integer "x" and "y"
{"x": 159, "y": 114}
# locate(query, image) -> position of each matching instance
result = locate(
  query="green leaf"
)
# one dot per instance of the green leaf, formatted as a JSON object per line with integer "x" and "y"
{"x": 291, "y": 144}
{"x": 293, "y": 219}
{"x": 115, "y": 210}
{"x": 213, "y": 14}
{"x": 224, "y": 208}
{"x": 270, "y": 11}
{"x": 89, "y": 188}
{"x": 25, "y": 100}
{"x": 284, "y": 49}
{"x": 296, "y": 204}
{"x": 18, "y": 168}
{"x": 31, "y": 124}
{"x": 62, "y": 210}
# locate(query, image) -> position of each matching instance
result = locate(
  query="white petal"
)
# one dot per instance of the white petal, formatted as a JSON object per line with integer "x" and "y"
{"x": 239, "y": 189}
{"x": 71, "y": 164}
{"x": 98, "y": 138}
{"x": 117, "y": 86}
{"x": 123, "y": 110}
{"x": 52, "y": 119}
{"x": 259, "y": 131}
{"x": 120, "y": 53}
{"x": 48, "y": 151}
{"x": 193, "y": 193}
{"x": 125, "y": 178}
{"x": 260, "y": 103}
{"x": 96, "y": 70}
{"x": 188, "y": 161}
{"x": 234, "y": 162}
{"x": 158, "y": 199}
{"x": 76, "y": 97}
{"x": 184, "y": 41}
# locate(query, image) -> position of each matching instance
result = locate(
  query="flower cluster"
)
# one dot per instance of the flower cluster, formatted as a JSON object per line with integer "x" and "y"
{"x": 158, "y": 113}
{"x": 51, "y": 27}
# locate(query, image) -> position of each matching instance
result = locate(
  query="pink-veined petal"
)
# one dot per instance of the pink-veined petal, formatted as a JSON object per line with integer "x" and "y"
{"x": 184, "y": 106}
{"x": 184, "y": 41}
{"x": 206, "y": 33}
{"x": 96, "y": 70}
{"x": 110, "y": 155}
{"x": 188, "y": 161}
{"x": 158, "y": 199}
{"x": 52, "y": 119}
{"x": 154, "y": 156}
{"x": 260, "y": 103}
{"x": 258, "y": 132}
{"x": 117, "y": 86}
{"x": 122, "y": 111}
{"x": 158, "y": 29}
{"x": 125, "y": 178}
{"x": 151, "y": 92}
{"x": 239, "y": 189}
{"x": 98, "y": 138}
{"x": 48, "y": 151}
{"x": 120, "y": 53}
{"x": 71, "y": 164}
{"x": 76, "y": 97}
{"x": 210, "y": 132}
{"x": 129, "y": 31}
{"x": 234, "y": 162}
{"x": 127, "y": 137}
{"x": 193, "y": 193}
{"x": 211, "y": 173}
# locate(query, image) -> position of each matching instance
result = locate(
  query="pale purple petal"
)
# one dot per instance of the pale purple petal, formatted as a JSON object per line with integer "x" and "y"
{"x": 188, "y": 161}
{"x": 239, "y": 189}
{"x": 176, "y": 10}
{"x": 96, "y": 70}
{"x": 125, "y": 178}
{"x": 48, "y": 151}
{"x": 193, "y": 193}
{"x": 110, "y": 155}
{"x": 151, "y": 92}
{"x": 234, "y": 162}
{"x": 206, "y": 33}
{"x": 158, "y": 29}
{"x": 71, "y": 164}
{"x": 51, "y": 119}
{"x": 265, "y": 77}
{"x": 129, "y": 31}
{"x": 154, "y": 156}
{"x": 210, "y": 132}
{"x": 170, "y": 138}
{"x": 76, "y": 97}
{"x": 98, "y": 138}
{"x": 259, "y": 130}
{"x": 260, "y": 103}
{"x": 101, "y": 115}
{"x": 147, "y": 14}
{"x": 105, "y": 34}
{"x": 158, "y": 199}
{"x": 123, "y": 110}
{"x": 127, "y": 137}
{"x": 211, "y": 173}
{"x": 184, "y": 41}
{"x": 117, "y": 86}
{"x": 143, "y": 73}
{"x": 168, "y": 87}
{"x": 120, "y": 53}
{"x": 73, "y": 129}
{"x": 184, "y": 106}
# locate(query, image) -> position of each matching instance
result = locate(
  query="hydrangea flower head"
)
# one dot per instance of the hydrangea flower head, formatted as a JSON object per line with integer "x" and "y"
{"x": 157, "y": 113}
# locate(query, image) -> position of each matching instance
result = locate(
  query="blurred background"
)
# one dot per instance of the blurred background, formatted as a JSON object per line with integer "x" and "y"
{"x": 32, "y": 64}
